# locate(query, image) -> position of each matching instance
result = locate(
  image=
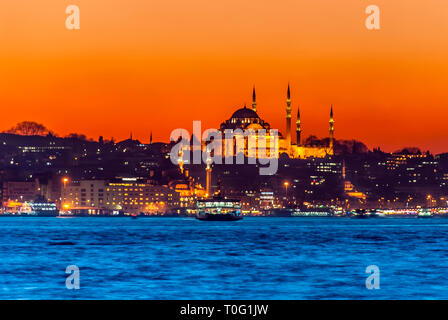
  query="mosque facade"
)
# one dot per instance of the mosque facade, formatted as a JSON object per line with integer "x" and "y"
{"x": 248, "y": 119}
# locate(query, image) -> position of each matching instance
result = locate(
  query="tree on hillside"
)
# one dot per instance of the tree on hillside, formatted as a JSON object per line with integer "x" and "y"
{"x": 409, "y": 150}
{"x": 29, "y": 128}
{"x": 342, "y": 147}
{"x": 312, "y": 140}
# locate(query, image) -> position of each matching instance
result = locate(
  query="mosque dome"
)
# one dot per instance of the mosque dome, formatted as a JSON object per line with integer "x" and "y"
{"x": 243, "y": 118}
{"x": 245, "y": 113}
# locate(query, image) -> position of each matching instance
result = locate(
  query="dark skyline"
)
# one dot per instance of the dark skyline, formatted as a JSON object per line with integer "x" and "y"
{"x": 374, "y": 177}
{"x": 29, "y": 128}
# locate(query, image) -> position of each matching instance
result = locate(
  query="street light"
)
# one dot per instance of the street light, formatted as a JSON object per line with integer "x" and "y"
{"x": 286, "y": 184}
{"x": 63, "y": 195}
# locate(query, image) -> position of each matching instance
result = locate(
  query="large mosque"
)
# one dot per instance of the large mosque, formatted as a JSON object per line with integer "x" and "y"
{"x": 248, "y": 119}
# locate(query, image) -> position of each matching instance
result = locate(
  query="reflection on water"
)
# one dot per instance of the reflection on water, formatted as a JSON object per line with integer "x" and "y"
{"x": 256, "y": 258}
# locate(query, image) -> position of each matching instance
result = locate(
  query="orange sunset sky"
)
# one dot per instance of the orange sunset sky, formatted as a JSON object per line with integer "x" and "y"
{"x": 157, "y": 65}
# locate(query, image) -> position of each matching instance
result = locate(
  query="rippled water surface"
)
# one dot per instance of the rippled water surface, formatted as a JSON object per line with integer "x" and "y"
{"x": 256, "y": 258}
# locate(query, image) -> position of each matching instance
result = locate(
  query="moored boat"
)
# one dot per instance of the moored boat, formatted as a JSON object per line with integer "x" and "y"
{"x": 313, "y": 212}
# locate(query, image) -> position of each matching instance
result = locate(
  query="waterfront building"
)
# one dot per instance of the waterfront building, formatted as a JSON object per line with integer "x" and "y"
{"x": 189, "y": 191}
{"x": 267, "y": 199}
{"x": 127, "y": 195}
{"x": 84, "y": 193}
{"x": 19, "y": 191}
{"x": 140, "y": 196}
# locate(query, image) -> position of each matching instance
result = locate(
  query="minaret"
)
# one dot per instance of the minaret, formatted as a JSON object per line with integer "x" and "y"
{"x": 209, "y": 177}
{"x": 254, "y": 100}
{"x": 331, "y": 128}
{"x": 150, "y": 138}
{"x": 298, "y": 128}
{"x": 180, "y": 160}
{"x": 288, "y": 119}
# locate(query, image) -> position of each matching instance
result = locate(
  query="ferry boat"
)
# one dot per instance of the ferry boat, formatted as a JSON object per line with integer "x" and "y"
{"x": 41, "y": 209}
{"x": 218, "y": 208}
{"x": 313, "y": 212}
{"x": 425, "y": 213}
{"x": 305, "y": 211}
{"x": 359, "y": 214}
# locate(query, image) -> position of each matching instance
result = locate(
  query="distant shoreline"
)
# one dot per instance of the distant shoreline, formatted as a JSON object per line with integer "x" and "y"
{"x": 193, "y": 217}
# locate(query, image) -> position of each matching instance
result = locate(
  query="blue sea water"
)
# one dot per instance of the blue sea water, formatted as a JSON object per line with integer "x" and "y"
{"x": 256, "y": 258}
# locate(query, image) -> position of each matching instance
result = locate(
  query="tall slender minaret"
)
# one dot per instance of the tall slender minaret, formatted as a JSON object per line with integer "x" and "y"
{"x": 180, "y": 160}
{"x": 288, "y": 119}
{"x": 208, "y": 170}
{"x": 298, "y": 128}
{"x": 254, "y": 100}
{"x": 150, "y": 138}
{"x": 331, "y": 128}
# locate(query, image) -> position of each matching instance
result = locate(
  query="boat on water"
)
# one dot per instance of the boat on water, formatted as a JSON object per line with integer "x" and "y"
{"x": 218, "y": 208}
{"x": 363, "y": 214}
{"x": 304, "y": 211}
{"x": 425, "y": 213}
{"x": 313, "y": 212}
{"x": 38, "y": 209}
